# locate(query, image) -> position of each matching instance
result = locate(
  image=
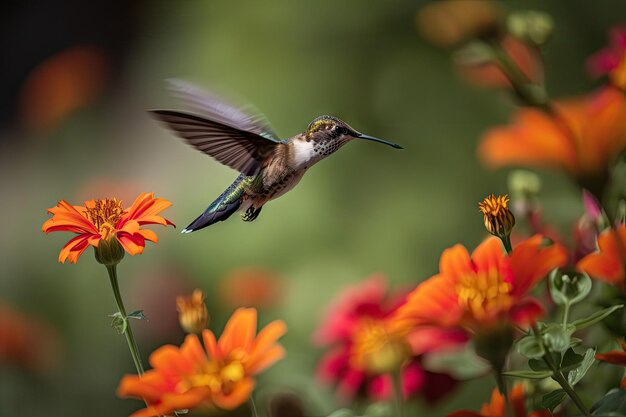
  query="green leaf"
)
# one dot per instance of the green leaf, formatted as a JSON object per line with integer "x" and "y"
{"x": 577, "y": 374}
{"x": 595, "y": 317}
{"x": 119, "y": 323}
{"x": 614, "y": 403}
{"x": 565, "y": 289}
{"x": 344, "y": 412}
{"x": 379, "y": 410}
{"x": 571, "y": 360}
{"x": 556, "y": 338}
{"x": 137, "y": 314}
{"x": 529, "y": 374}
{"x": 530, "y": 347}
{"x": 540, "y": 364}
{"x": 552, "y": 399}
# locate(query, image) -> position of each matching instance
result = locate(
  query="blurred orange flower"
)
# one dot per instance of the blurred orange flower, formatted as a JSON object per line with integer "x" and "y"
{"x": 489, "y": 74}
{"x": 219, "y": 375}
{"x": 251, "y": 287}
{"x": 607, "y": 264}
{"x": 106, "y": 220}
{"x": 27, "y": 342}
{"x": 582, "y": 138}
{"x": 485, "y": 290}
{"x": 193, "y": 314}
{"x": 497, "y": 406}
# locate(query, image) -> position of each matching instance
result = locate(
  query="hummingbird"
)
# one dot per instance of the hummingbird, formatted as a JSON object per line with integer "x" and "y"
{"x": 243, "y": 140}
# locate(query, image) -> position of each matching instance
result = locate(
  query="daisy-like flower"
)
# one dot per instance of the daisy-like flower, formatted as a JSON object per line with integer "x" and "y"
{"x": 192, "y": 312}
{"x": 221, "y": 374}
{"x": 582, "y": 138}
{"x": 365, "y": 348}
{"x": 608, "y": 263}
{"x": 497, "y": 406}
{"x": 106, "y": 226}
{"x": 483, "y": 291}
{"x": 611, "y": 60}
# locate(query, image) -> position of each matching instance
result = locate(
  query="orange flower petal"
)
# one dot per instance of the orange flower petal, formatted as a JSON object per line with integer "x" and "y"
{"x": 616, "y": 357}
{"x": 532, "y": 260}
{"x": 68, "y": 218}
{"x": 192, "y": 350}
{"x": 74, "y": 248}
{"x": 607, "y": 264}
{"x": 433, "y": 301}
{"x": 149, "y": 386}
{"x": 210, "y": 344}
{"x": 239, "y": 395}
{"x": 456, "y": 262}
{"x": 239, "y": 331}
{"x": 269, "y": 357}
{"x": 133, "y": 244}
{"x": 268, "y": 337}
{"x": 490, "y": 255}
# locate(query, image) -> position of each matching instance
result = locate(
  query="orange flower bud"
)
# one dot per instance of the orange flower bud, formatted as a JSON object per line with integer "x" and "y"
{"x": 499, "y": 220}
{"x": 192, "y": 312}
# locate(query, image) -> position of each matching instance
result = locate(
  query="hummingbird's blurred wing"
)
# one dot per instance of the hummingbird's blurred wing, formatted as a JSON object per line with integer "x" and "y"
{"x": 214, "y": 108}
{"x": 242, "y": 150}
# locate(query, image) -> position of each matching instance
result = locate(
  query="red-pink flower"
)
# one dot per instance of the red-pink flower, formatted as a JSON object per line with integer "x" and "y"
{"x": 611, "y": 60}
{"x": 362, "y": 341}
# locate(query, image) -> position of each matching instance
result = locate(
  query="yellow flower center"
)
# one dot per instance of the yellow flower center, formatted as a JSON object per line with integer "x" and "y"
{"x": 377, "y": 349}
{"x": 104, "y": 214}
{"x": 497, "y": 217}
{"x": 215, "y": 376}
{"x": 484, "y": 294}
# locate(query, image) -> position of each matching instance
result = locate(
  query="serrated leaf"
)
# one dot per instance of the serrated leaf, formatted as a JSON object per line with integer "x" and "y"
{"x": 614, "y": 403}
{"x": 571, "y": 360}
{"x": 529, "y": 374}
{"x": 577, "y": 374}
{"x": 552, "y": 399}
{"x": 137, "y": 314}
{"x": 530, "y": 347}
{"x": 595, "y": 317}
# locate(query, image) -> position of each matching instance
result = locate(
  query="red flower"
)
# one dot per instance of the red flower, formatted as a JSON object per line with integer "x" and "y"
{"x": 364, "y": 343}
{"x": 485, "y": 290}
{"x": 612, "y": 59}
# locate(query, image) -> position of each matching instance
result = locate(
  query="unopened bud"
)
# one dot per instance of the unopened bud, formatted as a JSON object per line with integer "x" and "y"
{"x": 193, "y": 315}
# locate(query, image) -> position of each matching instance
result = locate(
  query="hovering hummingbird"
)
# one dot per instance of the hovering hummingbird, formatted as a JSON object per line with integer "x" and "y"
{"x": 244, "y": 141}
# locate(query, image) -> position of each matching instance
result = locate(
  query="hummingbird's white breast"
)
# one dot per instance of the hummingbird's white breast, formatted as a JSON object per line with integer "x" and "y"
{"x": 303, "y": 154}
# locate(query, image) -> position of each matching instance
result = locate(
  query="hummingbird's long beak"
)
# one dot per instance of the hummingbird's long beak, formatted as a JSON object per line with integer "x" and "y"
{"x": 372, "y": 138}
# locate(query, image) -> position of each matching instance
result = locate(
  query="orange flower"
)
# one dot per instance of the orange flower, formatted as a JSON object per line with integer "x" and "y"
{"x": 608, "y": 263}
{"x": 219, "y": 375}
{"x": 105, "y": 220}
{"x": 497, "y": 406}
{"x": 582, "y": 138}
{"x": 484, "y": 290}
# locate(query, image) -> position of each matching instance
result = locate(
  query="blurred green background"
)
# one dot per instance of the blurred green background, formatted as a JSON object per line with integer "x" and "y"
{"x": 366, "y": 209}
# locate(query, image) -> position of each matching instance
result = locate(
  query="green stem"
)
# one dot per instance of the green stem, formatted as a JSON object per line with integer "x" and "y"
{"x": 397, "y": 391}
{"x": 130, "y": 339}
{"x": 506, "y": 241}
{"x": 557, "y": 375}
{"x": 253, "y": 409}
{"x": 565, "y": 315}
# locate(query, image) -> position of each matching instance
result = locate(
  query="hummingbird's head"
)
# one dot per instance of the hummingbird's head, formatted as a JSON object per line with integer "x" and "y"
{"x": 330, "y": 133}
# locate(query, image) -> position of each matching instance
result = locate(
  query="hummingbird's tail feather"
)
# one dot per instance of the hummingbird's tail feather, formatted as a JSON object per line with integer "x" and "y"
{"x": 222, "y": 208}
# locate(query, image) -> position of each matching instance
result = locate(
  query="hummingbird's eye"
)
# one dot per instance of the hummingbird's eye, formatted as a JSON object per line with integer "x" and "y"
{"x": 340, "y": 130}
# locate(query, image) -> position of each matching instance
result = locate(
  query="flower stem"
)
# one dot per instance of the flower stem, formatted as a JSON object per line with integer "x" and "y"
{"x": 565, "y": 315}
{"x": 506, "y": 241}
{"x": 253, "y": 409}
{"x": 128, "y": 332}
{"x": 557, "y": 375}
{"x": 397, "y": 391}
